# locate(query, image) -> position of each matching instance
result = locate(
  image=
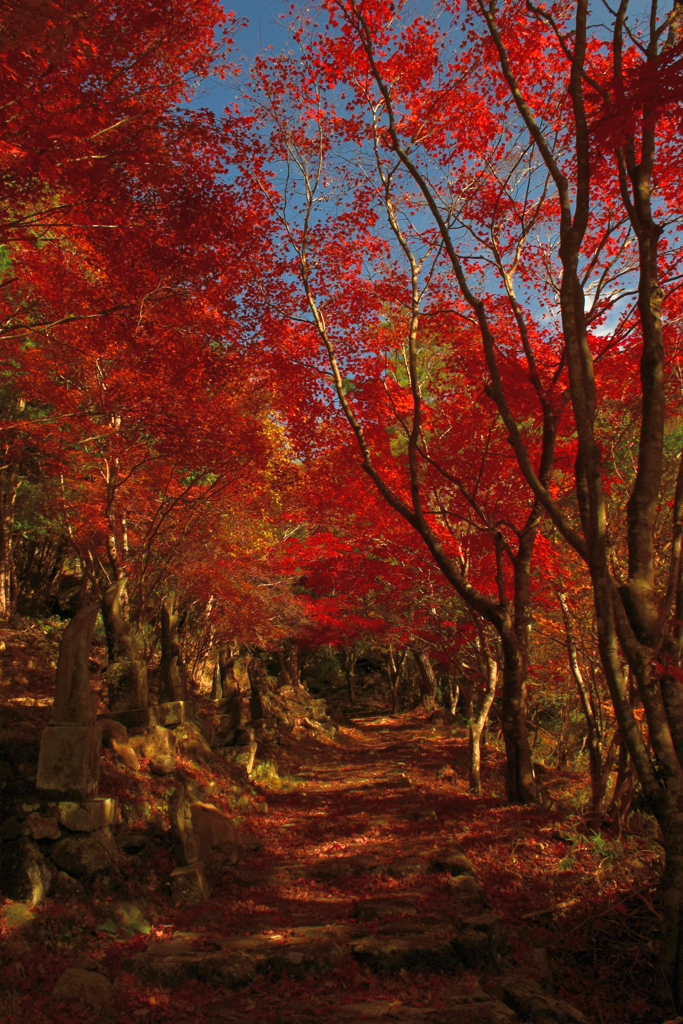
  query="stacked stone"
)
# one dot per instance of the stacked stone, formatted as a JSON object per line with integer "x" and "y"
{"x": 68, "y": 824}
{"x": 150, "y": 733}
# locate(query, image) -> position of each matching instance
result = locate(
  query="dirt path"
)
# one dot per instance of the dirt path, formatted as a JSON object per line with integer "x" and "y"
{"x": 361, "y": 905}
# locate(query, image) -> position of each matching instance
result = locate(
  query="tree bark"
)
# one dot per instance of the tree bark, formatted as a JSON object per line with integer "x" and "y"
{"x": 394, "y": 662}
{"x": 427, "y": 680}
{"x": 9, "y": 484}
{"x": 256, "y": 673}
{"x": 350, "y": 658}
{"x": 478, "y": 722}
{"x": 599, "y": 761}
{"x": 172, "y": 675}
{"x": 127, "y": 672}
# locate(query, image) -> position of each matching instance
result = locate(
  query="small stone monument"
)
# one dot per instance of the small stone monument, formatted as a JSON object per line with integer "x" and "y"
{"x": 69, "y": 759}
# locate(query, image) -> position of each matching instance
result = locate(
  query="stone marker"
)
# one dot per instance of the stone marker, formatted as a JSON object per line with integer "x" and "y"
{"x": 75, "y": 703}
{"x": 180, "y": 819}
{"x": 69, "y": 759}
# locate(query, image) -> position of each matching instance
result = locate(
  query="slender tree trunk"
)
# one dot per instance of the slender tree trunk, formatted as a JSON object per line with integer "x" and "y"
{"x": 394, "y": 662}
{"x": 216, "y": 682}
{"x": 256, "y": 684}
{"x": 453, "y": 689}
{"x": 172, "y": 675}
{"x": 427, "y": 680}
{"x": 9, "y": 484}
{"x": 350, "y": 658}
{"x": 478, "y": 723}
{"x": 671, "y": 888}
{"x": 599, "y": 768}
{"x": 289, "y": 661}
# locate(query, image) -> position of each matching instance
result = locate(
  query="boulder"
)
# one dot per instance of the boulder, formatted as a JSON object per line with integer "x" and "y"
{"x": 168, "y": 714}
{"x": 453, "y": 861}
{"x": 85, "y": 815}
{"x": 65, "y": 885}
{"x": 112, "y": 730}
{"x": 162, "y": 765}
{"x": 126, "y": 755}
{"x": 89, "y": 986}
{"x": 218, "y": 839}
{"x": 191, "y": 741}
{"x": 15, "y": 916}
{"x": 528, "y": 1000}
{"x": 39, "y": 827}
{"x": 86, "y": 854}
{"x": 158, "y": 742}
{"x": 131, "y": 919}
{"x": 24, "y": 874}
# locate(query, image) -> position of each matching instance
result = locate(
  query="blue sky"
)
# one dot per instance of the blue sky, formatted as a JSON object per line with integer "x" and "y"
{"x": 265, "y": 28}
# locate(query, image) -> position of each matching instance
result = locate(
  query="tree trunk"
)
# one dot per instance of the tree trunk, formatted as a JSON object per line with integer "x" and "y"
{"x": 216, "y": 682}
{"x": 670, "y": 981}
{"x": 452, "y": 690}
{"x": 289, "y": 663}
{"x": 9, "y": 484}
{"x": 478, "y": 724}
{"x": 255, "y": 672}
{"x": 350, "y": 658}
{"x": 394, "y": 661}
{"x": 172, "y": 675}
{"x": 520, "y": 784}
{"x": 599, "y": 769}
{"x": 427, "y": 680}
{"x": 127, "y": 672}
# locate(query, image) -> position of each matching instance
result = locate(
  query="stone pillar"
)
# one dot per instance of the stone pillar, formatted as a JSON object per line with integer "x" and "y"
{"x": 69, "y": 759}
{"x": 69, "y": 762}
{"x": 68, "y": 810}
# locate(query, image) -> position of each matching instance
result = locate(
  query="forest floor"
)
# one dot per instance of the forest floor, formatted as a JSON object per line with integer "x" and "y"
{"x": 578, "y": 907}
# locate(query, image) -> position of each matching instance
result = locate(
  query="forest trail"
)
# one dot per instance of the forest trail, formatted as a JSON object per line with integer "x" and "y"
{"x": 360, "y": 905}
{"x": 372, "y": 886}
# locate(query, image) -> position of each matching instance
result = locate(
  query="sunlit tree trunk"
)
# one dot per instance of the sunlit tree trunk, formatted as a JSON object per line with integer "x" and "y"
{"x": 427, "y": 680}
{"x": 9, "y": 484}
{"x": 479, "y": 720}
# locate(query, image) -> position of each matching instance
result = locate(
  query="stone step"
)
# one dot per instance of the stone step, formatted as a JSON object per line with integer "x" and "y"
{"x": 434, "y": 946}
